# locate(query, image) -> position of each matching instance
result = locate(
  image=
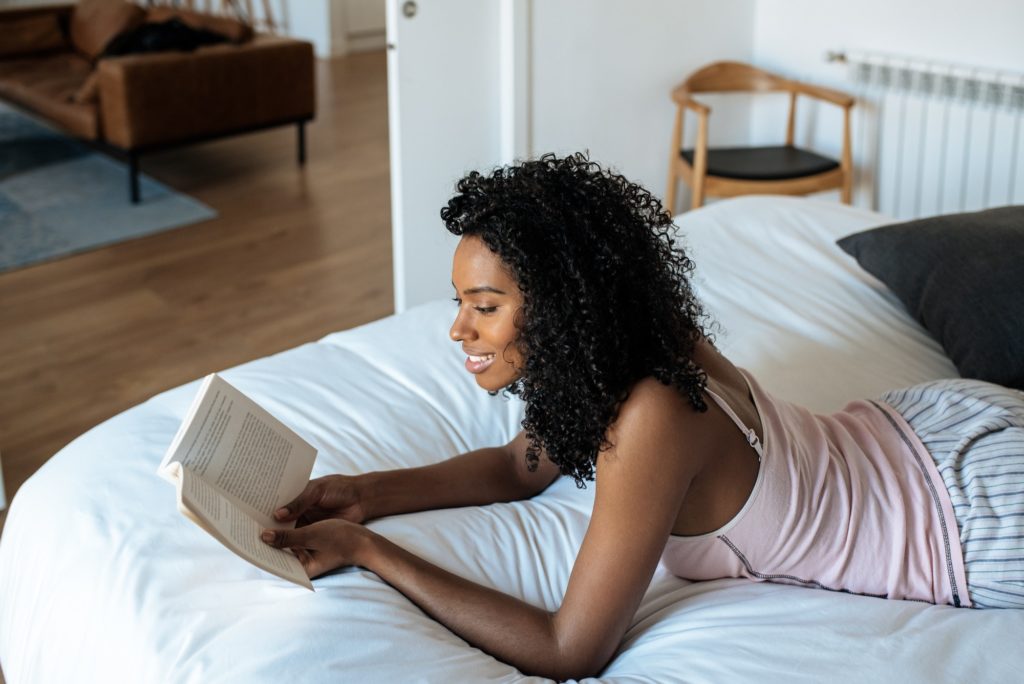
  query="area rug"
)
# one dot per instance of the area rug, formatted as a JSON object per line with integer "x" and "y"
{"x": 59, "y": 197}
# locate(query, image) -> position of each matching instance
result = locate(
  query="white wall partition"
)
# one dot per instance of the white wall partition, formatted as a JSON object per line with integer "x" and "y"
{"x": 444, "y": 119}
{"x": 516, "y": 79}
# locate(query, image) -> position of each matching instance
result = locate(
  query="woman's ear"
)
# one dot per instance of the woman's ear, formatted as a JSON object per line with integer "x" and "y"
{"x": 518, "y": 318}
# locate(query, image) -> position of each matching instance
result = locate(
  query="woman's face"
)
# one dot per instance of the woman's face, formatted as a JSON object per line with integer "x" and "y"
{"x": 489, "y": 301}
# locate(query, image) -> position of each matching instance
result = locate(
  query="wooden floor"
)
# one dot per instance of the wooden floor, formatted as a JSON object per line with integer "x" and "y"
{"x": 294, "y": 254}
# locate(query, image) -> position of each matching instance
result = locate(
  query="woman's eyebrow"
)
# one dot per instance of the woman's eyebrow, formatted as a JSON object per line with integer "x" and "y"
{"x": 483, "y": 288}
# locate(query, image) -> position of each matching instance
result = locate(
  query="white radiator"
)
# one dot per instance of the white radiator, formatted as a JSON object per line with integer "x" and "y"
{"x": 935, "y": 138}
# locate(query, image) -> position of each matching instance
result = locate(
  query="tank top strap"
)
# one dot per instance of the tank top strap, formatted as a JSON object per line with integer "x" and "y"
{"x": 749, "y": 433}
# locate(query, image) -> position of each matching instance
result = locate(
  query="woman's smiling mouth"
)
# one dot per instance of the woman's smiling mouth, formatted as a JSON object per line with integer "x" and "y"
{"x": 478, "y": 364}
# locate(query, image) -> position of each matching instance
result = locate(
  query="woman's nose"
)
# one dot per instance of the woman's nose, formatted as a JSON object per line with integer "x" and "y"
{"x": 460, "y": 330}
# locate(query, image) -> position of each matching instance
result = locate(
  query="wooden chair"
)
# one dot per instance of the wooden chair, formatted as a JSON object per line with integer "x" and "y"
{"x": 727, "y": 172}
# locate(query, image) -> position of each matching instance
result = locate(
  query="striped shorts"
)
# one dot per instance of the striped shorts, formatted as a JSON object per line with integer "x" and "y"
{"x": 974, "y": 431}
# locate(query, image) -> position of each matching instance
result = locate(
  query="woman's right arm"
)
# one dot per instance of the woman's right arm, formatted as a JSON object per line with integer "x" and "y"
{"x": 475, "y": 478}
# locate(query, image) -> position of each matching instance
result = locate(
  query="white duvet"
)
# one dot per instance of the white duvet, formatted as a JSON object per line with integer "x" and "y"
{"x": 101, "y": 579}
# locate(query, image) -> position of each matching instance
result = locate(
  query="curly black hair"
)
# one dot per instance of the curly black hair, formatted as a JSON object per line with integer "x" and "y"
{"x": 606, "y": 296}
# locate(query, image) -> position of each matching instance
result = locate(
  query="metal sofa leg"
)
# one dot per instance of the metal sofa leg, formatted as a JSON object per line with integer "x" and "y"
{"x": 133, "y": 176}
{"x": 302, "y": 143}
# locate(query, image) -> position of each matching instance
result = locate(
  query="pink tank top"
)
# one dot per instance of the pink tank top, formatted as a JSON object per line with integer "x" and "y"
{"x": 849, "y": 502}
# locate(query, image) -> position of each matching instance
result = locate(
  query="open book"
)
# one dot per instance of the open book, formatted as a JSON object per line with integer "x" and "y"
{"x": 233, "y": 465}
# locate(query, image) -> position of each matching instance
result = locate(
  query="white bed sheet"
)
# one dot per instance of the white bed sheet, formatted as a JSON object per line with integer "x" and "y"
{"x": 102, "y": 580}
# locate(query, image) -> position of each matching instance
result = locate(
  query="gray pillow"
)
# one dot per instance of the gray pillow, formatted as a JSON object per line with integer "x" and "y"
{"x": 962, "y": 277}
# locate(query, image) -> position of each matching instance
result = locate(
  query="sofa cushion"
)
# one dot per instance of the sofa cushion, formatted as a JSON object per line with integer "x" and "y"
{"x": 232, "y": 29}
{"x": 95, "y": 23}
{"x": 46, "y": 86}
{"x": 31, "y": 34}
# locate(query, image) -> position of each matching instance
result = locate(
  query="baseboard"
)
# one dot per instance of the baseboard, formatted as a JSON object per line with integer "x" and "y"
{"x": 363, "y": 41}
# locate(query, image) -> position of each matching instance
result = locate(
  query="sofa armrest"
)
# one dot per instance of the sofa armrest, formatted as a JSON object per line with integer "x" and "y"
{"x": 156, "y": 99}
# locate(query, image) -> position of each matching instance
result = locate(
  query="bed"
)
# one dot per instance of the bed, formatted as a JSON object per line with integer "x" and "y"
{"x": 101, "y": 579}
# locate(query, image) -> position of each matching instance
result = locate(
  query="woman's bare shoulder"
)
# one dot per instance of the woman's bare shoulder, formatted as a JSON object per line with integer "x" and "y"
{"x": 657, "y": 417}
{"x": 649, "y": 397}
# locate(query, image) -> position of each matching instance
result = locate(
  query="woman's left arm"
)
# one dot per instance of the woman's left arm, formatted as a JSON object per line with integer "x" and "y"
{"x": 640, "y": 484}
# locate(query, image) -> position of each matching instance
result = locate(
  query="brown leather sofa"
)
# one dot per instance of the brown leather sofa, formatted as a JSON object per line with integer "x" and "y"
{"x": 51, "y": 65}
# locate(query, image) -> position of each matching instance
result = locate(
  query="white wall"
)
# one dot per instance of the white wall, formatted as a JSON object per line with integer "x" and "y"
{"x": 603, "y": 71}
{"x": 792, "y": 37}
{"x": 308, "y": 20}
{"x": 797, "y": 33}
{"x": 335, "y": 27}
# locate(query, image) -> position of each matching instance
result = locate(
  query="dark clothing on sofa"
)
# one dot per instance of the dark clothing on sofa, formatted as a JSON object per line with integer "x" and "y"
{"x": 168, "y": 35}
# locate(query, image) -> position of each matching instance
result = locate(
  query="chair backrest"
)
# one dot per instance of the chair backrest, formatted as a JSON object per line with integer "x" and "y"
{"x": 733, "y": 76}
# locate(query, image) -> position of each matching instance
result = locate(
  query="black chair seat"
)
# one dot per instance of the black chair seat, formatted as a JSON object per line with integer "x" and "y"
{"x": 764, "y": 163}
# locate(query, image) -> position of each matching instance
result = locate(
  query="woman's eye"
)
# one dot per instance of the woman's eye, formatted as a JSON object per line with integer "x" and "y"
{"x": 458, "y": 302}
{"x": 486, "y": 309}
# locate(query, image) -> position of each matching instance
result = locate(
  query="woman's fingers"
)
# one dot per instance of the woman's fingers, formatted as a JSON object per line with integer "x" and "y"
{"x": 312, "y": 564}
{"x": 305, "y": 558}
{"x": 316, "y": 546}
{"x": 270, "y": 537}
{"x": 309, "y": 496}
{"x": 330, "y": 496}
{"x": 300, "y": 537}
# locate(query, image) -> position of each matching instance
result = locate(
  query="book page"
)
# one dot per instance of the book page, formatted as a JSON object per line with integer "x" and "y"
{"x": 231, "y": 442}
{"x": 230, "y": 525}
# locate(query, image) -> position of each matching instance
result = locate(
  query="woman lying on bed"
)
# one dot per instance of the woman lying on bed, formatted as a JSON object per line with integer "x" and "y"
{"x": 570, "y": 294}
